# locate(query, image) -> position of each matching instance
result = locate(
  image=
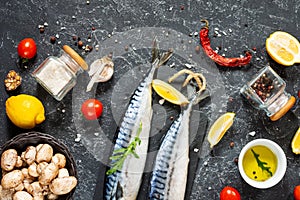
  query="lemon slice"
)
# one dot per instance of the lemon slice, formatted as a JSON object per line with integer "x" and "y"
{"x": 296, "y": 142}
{"x": 219, "y": 128}
{"x": 168, "y": 92}
{"x": 283, "y": 48}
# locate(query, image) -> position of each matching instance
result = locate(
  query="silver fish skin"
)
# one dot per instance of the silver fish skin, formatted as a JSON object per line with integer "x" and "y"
{"x": 125, "y": 184}
{"x": 170, "y": 170}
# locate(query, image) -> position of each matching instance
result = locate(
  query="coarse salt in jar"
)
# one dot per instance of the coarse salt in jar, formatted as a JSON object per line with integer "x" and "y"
{"x": 266, "y": 91}
{"x": 58, "y": 75}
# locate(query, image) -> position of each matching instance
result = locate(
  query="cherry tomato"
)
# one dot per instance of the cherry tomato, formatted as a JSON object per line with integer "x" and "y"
{"x": 27, "y": 48}
{"x": 92, "y": 109}
{"x": 297, "y": 192}
{"x": 229, "y": 193}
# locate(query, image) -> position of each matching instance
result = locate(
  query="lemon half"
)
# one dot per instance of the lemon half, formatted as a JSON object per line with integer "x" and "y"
{"x": 25, "y": 111}
{"x": 219, "y": 128}
{"x": 296, "y": 142}
{"x": 283, "y": 48}
{"x": 168, "y": 92}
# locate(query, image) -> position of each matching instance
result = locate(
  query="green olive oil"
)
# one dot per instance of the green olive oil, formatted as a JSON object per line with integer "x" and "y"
{"x": 259, "y": 163}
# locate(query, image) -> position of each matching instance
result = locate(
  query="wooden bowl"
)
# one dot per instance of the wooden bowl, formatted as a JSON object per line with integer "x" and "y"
{"x": 22, "y": 141}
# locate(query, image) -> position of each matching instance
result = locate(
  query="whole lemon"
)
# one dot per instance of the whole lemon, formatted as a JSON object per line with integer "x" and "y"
{"x": 25, "y": 111}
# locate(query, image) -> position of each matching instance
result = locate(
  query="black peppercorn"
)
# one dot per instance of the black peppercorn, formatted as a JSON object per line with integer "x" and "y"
{"x": 52, "y": 39}
{"x": 236, "y": 160}
{"x": 42, "y": 30}
{"x": 80, "y": 44}
{"x": 263, "y": 87}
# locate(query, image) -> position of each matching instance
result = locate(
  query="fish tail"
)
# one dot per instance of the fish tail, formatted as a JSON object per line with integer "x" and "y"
{"x": 158, "y": 59}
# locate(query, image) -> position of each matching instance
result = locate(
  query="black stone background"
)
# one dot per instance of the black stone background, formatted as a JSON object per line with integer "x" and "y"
{"x": 242, "y": 25}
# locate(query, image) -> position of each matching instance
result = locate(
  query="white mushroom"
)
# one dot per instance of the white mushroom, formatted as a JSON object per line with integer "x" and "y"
{"x": 63, "y": 173}
{"x": 44, "y": 153}
{"x": 29, "y": 155}
{"x": 38, "y": 197}
{"x": 12, "y": 179}
{"x": 48, "y": 174}
{"x": 60, "y": 186}
{"x": 37, "y": 189}
{"x": 52, "y": 196}
{"x": 22, "y": 195}
{"x": 26, "y": 175}
{"x": 60, "y": 160}
{"x": 6, "y": 194}
{"x": 41, "y": 166}
{"x": 19, "y": 162}
{"x": 32, "y": 170}
{"x": 20, "y": 187}
{"x": 9, "y": 159}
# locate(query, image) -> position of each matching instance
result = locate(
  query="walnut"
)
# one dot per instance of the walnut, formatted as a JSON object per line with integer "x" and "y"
{"x": 12, "y": 81}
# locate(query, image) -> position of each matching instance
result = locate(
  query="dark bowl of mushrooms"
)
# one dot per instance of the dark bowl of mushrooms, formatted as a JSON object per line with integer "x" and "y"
{"x": 37, "y": 166}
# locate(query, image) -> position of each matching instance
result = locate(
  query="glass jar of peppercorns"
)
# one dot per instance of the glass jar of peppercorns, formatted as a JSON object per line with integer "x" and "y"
{"x": 266, "y": 91}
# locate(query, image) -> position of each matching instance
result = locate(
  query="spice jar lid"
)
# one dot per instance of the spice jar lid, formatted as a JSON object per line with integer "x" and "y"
{"x": 284, "y": 109}
{"x": 75, "y": 56}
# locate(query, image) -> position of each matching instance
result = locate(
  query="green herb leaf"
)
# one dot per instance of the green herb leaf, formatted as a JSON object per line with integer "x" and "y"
{"x": 119, "y": 155}
{"x": 261, "y": 164}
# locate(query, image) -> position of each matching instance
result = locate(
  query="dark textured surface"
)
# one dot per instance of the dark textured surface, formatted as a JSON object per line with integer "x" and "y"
{"x": 235, "y": 26}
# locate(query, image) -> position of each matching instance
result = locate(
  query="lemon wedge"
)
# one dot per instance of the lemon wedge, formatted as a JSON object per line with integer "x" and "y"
{"x": 296, "y": 142}
{"x": 168, "y": 92}
{"x": 219, "y": 128}
{"x": 283, "y": 48}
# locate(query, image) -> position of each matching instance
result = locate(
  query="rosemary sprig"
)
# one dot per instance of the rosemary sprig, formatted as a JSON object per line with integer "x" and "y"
{"x": 261, "y": 164}
{"x": 119, "y": 155}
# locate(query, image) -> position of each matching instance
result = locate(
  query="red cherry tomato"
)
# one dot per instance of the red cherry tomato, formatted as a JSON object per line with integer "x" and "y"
{"x": 229, "y": 193}
{"x": 27, "y": 48}
{"x": 297, "y": 192}
{"x": 91, "y": 109}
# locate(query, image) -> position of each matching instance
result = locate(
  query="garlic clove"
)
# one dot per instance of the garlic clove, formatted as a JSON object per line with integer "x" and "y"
{"x": 101, "y": 70}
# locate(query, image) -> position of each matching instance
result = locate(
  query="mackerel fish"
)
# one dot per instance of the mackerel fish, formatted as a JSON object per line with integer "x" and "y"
{"x": 169, "y": 176}
{"x": 125, "y": 183}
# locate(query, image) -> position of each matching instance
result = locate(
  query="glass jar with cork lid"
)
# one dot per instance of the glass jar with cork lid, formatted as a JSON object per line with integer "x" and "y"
{"x": 57, "y": 75}
{"x": 266, "y": 91}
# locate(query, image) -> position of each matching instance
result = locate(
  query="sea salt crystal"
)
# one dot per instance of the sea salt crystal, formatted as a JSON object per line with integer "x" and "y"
{"x": 189, "y": 66}
{"x": 172, "y": 65}
{"x": 252, "y": 133}
{"x": 161, "y": 102}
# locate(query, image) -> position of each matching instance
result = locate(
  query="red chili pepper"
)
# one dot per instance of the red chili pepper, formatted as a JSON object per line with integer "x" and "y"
{"x": 221, "y": 60}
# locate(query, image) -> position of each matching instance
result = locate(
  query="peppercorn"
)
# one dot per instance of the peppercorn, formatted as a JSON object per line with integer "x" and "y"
{"x": 231, "y": 144}
{"x": 42, "y": 30}
{"x": 197, "y": 49}
{"x": 263, "y": 87}
{"x": 80, "y": 44}
{"x": 74, "y": 37}
{"x": 12, "y": 81}
{"x": 236, "y": 160}
{"x": 52, "y": 39}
